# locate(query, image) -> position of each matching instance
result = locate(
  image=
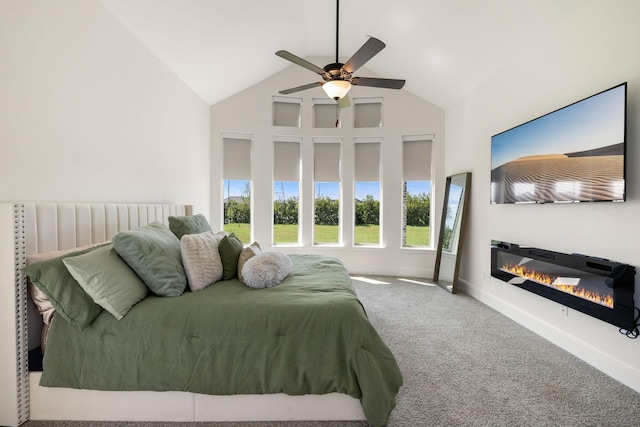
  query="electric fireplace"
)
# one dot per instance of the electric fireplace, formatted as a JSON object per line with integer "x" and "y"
{"x": 598, "y": 287}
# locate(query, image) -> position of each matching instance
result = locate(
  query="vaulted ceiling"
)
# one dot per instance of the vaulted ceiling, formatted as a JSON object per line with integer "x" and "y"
{"x": 443, "y": 48}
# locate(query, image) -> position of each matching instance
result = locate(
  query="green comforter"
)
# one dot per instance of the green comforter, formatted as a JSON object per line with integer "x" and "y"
{"x": 307, "y": 335}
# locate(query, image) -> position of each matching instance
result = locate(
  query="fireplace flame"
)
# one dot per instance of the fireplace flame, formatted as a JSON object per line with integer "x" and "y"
{"x": 554, "y": 282}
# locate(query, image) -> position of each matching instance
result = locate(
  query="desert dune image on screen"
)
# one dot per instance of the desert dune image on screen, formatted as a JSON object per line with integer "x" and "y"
{"x": 573, "y": 154}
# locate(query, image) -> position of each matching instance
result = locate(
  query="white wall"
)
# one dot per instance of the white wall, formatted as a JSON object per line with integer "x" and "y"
{"x": 594, "y": 49}
{"x": 87, "y": 113}
{"x": 403, "y": 114}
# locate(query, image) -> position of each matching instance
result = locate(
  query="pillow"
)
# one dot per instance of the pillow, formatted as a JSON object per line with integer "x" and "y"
{"x": 42, "y": 302}
{"x": 153, "y": 252}
{"x": 230, "y": 247}
{"x": 108, "y": 280}
{"x": 181, "y": 225}
{"x": 220, "y": 235}
{"x": 66, "y": 295}
{"x": 201, "y": 260}
{"x": 266, "y": 269}
{"x": 40, "y": 299}
{"x": 245, "y": 255}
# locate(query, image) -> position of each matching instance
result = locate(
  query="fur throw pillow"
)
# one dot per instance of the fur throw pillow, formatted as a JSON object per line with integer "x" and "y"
{"x": 201, "y": 260}
{"x": 266, "y": 269}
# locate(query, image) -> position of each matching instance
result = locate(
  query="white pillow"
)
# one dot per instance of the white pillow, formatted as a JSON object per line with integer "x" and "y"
{"x": 246, "y": 254}
{"x": 201, "y": 260}
{"x": 266, "y": 269}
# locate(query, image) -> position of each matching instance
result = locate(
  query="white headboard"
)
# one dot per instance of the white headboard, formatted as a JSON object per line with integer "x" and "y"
{"x": 29, "y": 228}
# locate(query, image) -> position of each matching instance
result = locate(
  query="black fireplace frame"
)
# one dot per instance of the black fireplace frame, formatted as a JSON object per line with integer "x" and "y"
{"x": 620, "y": 277}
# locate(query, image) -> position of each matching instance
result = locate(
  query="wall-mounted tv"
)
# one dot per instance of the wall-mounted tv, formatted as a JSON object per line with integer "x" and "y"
{"x": 574, "y": 154}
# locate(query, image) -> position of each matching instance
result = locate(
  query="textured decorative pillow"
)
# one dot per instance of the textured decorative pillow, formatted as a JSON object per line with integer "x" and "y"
{"x": 266, "y": 269}
{"x": 220, "y": 235}
{"x": 108, "y": 280}
{"x": 181, "y": 225}
{"x": 153, "y": 252}
{"x": 230, "y": 247}
{"x": 201, "y": 260}
{"x": 245, "y": 255}
{"x": 65, "y": 293}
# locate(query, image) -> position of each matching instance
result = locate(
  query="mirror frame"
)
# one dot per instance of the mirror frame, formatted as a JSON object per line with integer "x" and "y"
{"x": 453, "y": 285}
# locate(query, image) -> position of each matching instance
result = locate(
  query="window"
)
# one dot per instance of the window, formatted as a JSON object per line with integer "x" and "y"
{"x": 287, "y": 111}
{"x": 326, "y": 175}
{"x": 416, "y": 170}
{"x": 237, "y": 186}
{"x": 326, "y": 113}
{"x": 367, "y": 192}
{"x": 367, "y": 112}
{"x": 286, "y": 191}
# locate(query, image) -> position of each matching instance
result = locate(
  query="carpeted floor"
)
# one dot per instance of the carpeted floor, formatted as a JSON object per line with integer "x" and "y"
{"x": 464, "y": 364}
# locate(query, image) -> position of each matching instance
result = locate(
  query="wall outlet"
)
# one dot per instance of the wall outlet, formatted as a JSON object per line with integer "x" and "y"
{"x": 564, "y": 309}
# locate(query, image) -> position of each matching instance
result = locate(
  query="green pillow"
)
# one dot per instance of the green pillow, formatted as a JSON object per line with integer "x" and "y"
{"x": 153, "y": 252}
{"x": 108, "y": 280}
{"x": 195, "y": 224}
{"x": 65, "y": 293}
{"x": 230, "y": 248}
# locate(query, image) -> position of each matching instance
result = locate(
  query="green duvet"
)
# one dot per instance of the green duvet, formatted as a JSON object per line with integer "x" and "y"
{"x": 307, "y": 335}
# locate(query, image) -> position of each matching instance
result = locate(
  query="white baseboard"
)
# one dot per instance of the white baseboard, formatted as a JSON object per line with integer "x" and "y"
{"x": 593, "y": 356}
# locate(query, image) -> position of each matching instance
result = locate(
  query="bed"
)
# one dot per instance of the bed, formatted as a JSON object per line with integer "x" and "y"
{"x": 303, "y": 349}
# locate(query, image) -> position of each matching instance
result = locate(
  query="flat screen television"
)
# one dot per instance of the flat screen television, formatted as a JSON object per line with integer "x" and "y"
{"x": 573, "y": 154}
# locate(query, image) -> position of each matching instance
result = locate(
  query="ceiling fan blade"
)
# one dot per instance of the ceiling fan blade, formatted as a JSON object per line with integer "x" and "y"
{"x": 367, "y": 51}
{"x": 299, "y": 88}
{"x": 376, "y": 82}
{"x": 344, "y": 102}
{"x": 299, "y": 61}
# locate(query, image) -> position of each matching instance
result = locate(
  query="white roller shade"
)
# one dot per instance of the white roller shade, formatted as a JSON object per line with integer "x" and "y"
{"x": 416, "y": 160}
{"x": 367, "y": 112}
{"x": 326, "y": 115}
{"x": 287, "y": 111}
{"x": 367, "y": 161}
{"x": 286, "y": 161}
{"x": 237, "y": 158}
{"x": 326, "y": 162}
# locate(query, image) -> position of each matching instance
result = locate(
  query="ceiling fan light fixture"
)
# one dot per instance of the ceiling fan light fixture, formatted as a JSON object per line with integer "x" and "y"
{"x": 336, "y": 89}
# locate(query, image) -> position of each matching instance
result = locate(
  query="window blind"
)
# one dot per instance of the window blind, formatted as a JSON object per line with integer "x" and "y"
{"x": 367, "y": 112}
{"x": 287, "y": 111}
{"x": 416, "y": 160}
{"x": 367, "y": 161}
{"x": 326, "y": 113}
{"x": 286, "y": 161}
{"x": 326, "y": 161}
{"x": 237, "y": 158}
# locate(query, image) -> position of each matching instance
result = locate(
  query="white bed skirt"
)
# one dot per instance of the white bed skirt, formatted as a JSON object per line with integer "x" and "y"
{"x": 82, "y": 405}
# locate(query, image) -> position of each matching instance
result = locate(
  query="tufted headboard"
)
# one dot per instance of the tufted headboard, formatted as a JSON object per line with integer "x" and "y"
{"x": 30, "y": 228}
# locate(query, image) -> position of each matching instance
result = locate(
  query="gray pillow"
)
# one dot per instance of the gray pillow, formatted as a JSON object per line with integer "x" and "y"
{"x": 230, "y": 248}
{"x": 266, "y": 269}
{"x": 195, "y": 224}
{"x": 153, "y": 252}
{"x": 108, "y": 280}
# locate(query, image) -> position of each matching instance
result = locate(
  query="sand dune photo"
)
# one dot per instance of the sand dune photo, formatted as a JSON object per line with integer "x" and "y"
{"x": 574, "y": 154}
{"x": 558, "y": 177}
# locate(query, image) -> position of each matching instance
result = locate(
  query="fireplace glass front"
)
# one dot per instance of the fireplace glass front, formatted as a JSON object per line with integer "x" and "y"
{"x": 595, "y": 286}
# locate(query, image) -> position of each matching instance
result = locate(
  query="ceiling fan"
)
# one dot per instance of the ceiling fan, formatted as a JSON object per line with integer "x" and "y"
{"x": 338, "y": 78}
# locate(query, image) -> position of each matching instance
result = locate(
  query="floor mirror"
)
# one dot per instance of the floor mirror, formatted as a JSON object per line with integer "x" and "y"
{"x": 452, "y": 227}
